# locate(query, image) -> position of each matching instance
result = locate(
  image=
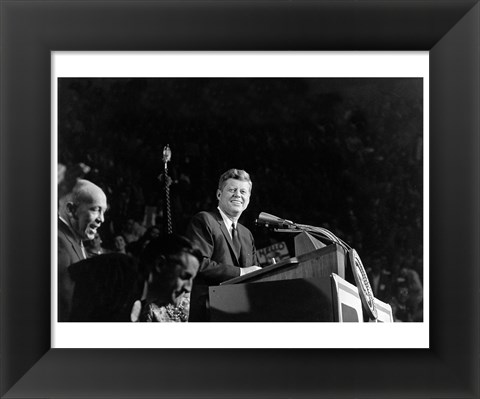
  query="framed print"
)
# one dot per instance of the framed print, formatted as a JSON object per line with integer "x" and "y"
{"x": 33, "y": 367}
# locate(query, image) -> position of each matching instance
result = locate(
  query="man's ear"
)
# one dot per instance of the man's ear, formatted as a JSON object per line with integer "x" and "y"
{"x": 72, "y": 210}
{"x": 219, "y": 193}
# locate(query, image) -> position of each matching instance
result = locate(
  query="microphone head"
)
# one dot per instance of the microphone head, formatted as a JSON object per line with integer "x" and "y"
{"x": 268, "y": 218}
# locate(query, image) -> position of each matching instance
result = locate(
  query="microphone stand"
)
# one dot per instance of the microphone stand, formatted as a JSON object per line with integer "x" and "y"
{"x": 317, "y": 232}
{"x": 360, "y": 275}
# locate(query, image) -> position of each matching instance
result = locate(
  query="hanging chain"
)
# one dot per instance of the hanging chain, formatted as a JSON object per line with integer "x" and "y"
{"x": 167, "y": 155}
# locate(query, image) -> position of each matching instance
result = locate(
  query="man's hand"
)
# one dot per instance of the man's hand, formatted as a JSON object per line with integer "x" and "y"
{"x": 246, "y": 270}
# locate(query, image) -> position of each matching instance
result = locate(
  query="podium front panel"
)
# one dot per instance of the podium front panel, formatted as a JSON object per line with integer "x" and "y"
{"x": 297, "y": 300}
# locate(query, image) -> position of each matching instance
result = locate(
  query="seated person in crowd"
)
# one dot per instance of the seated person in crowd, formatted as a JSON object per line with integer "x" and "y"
{"x": 120, "y": 245}
{"x": 94, "y": 247}
{"x": 169, "y": 266}
{"x": 106, "y": 288}
{"x": 407, "y": 302}
{"x": 132, "y": 231}
{"x": 136, "y": 248}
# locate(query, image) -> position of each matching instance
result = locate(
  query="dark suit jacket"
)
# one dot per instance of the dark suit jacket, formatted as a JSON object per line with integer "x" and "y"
{"x": 207, "y": 231}
{"x": 69, "y": 252}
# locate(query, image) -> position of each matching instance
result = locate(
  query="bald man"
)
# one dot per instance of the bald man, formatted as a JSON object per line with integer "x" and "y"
{"x": 81, "y": 213}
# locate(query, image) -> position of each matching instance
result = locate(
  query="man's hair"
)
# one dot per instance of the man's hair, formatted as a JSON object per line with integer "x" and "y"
{"x": 237, "y": 174}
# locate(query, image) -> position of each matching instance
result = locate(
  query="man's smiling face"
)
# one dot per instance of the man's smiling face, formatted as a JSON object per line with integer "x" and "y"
{"x": 234, "y": 197}
{"x": 88, "y": 215}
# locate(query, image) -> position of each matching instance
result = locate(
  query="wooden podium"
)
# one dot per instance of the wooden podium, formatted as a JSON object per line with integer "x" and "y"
{"x": 296, "y": 289}
{"x": 309, "y": 287}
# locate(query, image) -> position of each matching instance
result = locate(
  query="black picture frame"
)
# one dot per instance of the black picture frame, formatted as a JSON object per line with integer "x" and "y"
{"x": 449, "y": 30}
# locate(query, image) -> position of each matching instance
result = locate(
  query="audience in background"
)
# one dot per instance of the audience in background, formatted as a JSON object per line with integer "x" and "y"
{"x": 380, "y": 278}
{"x": 119, "y": 244}
{"x": 132, "y": 231}
{"x": 94, "y": 247}
{"x": 407, "y": 302}
{"x": 136, "y": 247}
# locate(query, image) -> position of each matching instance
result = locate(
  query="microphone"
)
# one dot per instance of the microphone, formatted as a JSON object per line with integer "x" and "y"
{"x": 269, "y": 220}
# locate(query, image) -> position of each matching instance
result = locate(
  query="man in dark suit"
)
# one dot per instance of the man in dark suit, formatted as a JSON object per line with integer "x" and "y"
{"x": 227, "y": 247}
{"x": 81, "y": 213}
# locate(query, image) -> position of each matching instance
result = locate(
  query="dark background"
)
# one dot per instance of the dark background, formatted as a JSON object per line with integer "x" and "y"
{"x": 344, "y": 154}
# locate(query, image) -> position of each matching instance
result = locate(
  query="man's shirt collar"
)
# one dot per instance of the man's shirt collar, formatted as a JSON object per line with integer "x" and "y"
{"x": 228, "y": 222}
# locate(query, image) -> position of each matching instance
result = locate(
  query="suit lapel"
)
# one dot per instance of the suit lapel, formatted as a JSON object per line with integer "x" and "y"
{"x": 226, "y": 234}
{"x": 68, "y": 235}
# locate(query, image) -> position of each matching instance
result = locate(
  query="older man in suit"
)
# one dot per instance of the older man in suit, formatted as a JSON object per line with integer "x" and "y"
{"x": 81, "y": 212}
{"x": 227, "y": 247}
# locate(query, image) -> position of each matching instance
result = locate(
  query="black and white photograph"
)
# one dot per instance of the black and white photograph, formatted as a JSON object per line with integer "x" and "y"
{"x": 240, "y": 199}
